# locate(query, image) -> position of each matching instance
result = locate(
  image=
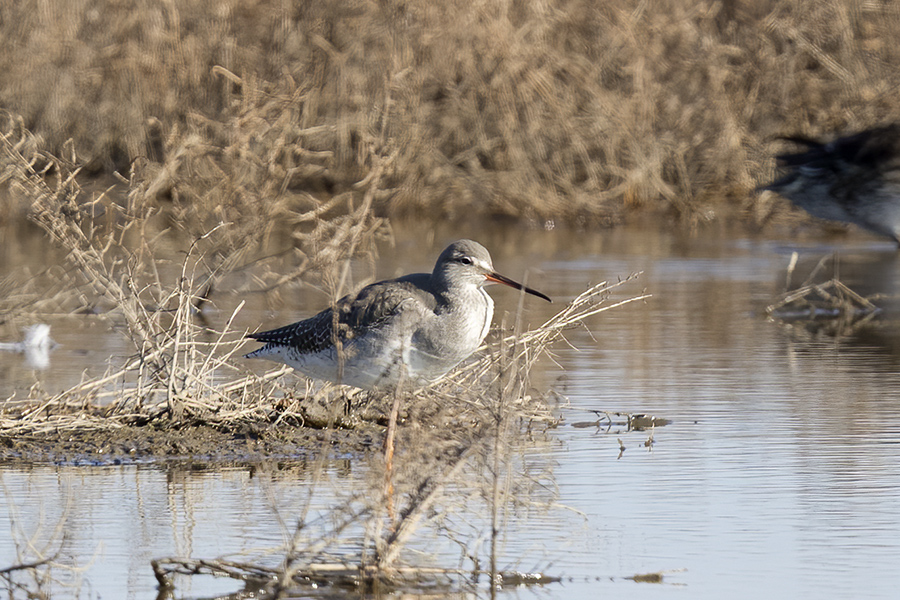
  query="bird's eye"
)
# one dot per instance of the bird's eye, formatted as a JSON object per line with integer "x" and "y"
{"x": 465, "y": 260}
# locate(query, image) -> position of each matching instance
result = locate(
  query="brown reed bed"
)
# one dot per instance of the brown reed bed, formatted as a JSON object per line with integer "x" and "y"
{"x": 569, "y": 110}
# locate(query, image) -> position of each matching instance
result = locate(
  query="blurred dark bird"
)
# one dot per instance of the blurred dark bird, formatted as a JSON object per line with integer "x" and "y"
{"x": 853, "y": 179}
{"x": 414, "y": 328}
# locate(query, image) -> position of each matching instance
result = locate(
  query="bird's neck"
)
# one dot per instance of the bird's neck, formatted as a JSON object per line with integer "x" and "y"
{"x": 453, "y": 295}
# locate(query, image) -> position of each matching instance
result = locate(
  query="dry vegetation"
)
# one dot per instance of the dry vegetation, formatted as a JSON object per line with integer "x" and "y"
{"x": 568, "y": 109}
{"x": 251, "y": 125}
{"x": 183, "y": 378}
{"x": 828, "y": 307}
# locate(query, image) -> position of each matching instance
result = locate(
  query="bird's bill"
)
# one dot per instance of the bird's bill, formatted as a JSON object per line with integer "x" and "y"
{"x": 498, "y": 278}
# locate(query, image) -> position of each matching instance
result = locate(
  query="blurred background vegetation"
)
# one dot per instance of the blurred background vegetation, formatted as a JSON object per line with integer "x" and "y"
{"x": 575, "y": 111}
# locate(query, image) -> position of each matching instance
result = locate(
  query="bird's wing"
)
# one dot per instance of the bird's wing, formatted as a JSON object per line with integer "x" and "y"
{"x": 308, "y": 336}
{"x": 865, "y": 148}
{"x": 351, "y": 316}
{"x": 863, "y": 161}
{"x": 381, "y": 302}
{"x": 876, "y": 147}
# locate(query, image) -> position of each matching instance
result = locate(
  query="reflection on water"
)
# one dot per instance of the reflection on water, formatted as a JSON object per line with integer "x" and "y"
{"x": 36, "y": 347}
{"x": 115, "y": 520}
{"x": 776, "y": 474}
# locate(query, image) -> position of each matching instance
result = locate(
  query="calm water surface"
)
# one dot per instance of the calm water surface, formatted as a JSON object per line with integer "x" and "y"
{"x": 778, "y": 475}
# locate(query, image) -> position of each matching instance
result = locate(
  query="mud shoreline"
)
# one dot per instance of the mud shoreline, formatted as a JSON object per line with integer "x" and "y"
{"x": 198, "y": 445}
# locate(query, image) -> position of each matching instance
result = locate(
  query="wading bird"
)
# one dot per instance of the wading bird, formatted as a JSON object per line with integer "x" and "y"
{"x": 414, "y": 328}
{"x": 854, "y": 179}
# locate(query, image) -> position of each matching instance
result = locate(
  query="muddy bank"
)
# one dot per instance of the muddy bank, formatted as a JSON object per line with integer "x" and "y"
{"x": 200, "y": 444}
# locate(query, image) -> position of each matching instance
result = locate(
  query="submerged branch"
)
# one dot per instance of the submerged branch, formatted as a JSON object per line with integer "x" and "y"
{"x": 336, "y": 574}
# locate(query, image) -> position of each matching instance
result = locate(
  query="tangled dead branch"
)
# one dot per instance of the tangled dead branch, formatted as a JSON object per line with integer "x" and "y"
{"x": 830, "y": 307}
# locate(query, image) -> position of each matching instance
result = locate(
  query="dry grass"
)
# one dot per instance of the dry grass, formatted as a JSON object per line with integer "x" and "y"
{"x": 233, "y": 122}
{"x": 459, "y": 436}
{"x": 459, "y": 471}
{"x": 113, "y": 249}
{"x": 568, "y": 109}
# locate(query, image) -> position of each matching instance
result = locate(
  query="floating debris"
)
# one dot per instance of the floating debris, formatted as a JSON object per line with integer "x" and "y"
{"x": 515, "y": 578}
{"x": 830, "y": 307}
{"x": 631, "y": 421}
{"x": 658, "y": 577}
{"x": 613, "y": 422}
{"x": 647, "y": 578}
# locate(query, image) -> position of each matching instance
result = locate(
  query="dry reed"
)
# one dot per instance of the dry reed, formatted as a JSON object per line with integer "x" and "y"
{"x": 830, "y": 307}
{"x": 569, "y": 109}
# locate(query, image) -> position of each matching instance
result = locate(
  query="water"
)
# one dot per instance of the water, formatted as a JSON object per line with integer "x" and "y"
{"x": 776, "y": 476}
